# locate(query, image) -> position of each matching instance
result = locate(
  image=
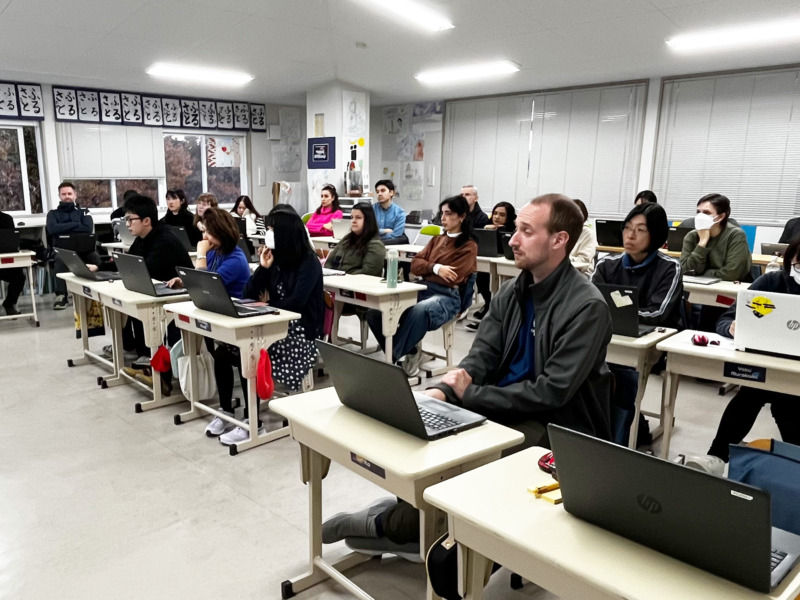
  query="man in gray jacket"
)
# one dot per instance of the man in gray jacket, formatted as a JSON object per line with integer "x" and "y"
{"x": 538, "y": 358}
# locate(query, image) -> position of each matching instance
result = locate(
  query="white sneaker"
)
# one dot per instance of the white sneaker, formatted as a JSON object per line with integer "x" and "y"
{"x": 411, "y": 363}
{"x": 238, "y": 435}
{"x": 127, "y": 355}
{"x": 218, "y": 426}
{"x": 462, "y": 316}
{"x": 708, "y": 463}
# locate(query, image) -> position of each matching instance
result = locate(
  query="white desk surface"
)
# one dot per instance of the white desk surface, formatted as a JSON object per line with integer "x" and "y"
{"x": 405, "y": 455}
{"x": 26, "y": 255}
{"x": 188, "y": 309}
{"x": 493, "y": 513}
{"x": 73, "y": 281}
{"x": 123, "y": 294}
{"x": 646, "y": 341}
{"x": 368, "y": 284}
{"x": 323, "y": 242}
{"x": 730, "y": 288}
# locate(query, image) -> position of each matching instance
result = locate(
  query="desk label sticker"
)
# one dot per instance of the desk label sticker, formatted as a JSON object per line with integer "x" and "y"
{"x": 117, "y": 301}
{"x": 745, "y": 372}
{"x": 204, "y": 325}
{"x": 87, "y": 291}
{"x": 347, "y": 293}
{"x": 331, "y": 245}
{"x": 410, "y": 254}
{"x": 369, "y": 466}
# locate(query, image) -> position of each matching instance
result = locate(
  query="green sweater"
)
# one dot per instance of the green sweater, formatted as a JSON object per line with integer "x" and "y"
{"x": 344, "y": 257}
{"x": 726, "y": 256}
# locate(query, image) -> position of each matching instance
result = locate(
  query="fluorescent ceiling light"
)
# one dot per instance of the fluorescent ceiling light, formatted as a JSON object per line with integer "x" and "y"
{"x": 416, "y": 12}
{"x": 746, "y": 35}
{"x": 194, "y": 74}
{"x": 467, "y": 72}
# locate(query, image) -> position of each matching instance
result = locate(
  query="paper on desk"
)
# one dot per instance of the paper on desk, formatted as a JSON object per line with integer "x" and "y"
{"x": 620, "y": 300}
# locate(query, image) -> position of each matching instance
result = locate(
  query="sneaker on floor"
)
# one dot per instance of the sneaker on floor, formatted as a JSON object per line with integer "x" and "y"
{"x": 126, "y": 354}
{"x": 480, "y": 313}
{"x": 473, "y": 325}
{"x": 141, "y": 363}
{"x": 411, "y": 363}
{"x": 462, "y": 315}
{"x": 358, "y": 524}
{"x": 219, "y": 426}
{"x": 237, "y": 435}
{"x": 708, "y": 463}
{"x": 383, "y": 545}
{"x": 61, "y": 302}
{"x": 10, "y": 309}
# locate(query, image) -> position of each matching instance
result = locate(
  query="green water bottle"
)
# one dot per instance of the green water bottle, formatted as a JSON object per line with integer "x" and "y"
{"x": 391, "y": 269}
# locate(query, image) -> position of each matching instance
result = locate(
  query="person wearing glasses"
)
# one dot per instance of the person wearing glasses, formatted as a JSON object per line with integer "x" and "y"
{"x": 742, "y": 410}
{"x": 659, "y": 286}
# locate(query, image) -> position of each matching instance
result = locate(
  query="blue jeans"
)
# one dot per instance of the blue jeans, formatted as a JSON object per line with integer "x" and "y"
{"x": 435, "y": 306}
{"x": 623, "y": 404}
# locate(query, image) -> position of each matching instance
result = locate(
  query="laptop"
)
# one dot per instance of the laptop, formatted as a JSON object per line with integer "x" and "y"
{"x": 700, "y": 279}
{"x": 768, "y": 323}
{"x": 136, "y": 277}
{"x": 78, "y": 268}
{"x": 341, "y": 227}
{"x": 675, "y": 238}
{"x": 710, "y": 522}
{"x": 774, "y": 249}
{"x": 77, "y": 242}
{"x": 623, "y": 303}
{"x": 208, "y": 293}
{"x": 609, "y": 233}
{"x": 505, "y": 245}
{"x": 381, "y": 391}
{"x": 9, "y": 241}
{"x": 488, "y": 242}
{"x": 180, "y": 233}
{"x": 125, "y": 236}
{"x": 242, "y": 225}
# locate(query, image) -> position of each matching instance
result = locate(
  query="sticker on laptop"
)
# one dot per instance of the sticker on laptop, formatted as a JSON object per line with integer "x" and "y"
{"x": 761, "y": 306}
{"x": 620, "y": 300}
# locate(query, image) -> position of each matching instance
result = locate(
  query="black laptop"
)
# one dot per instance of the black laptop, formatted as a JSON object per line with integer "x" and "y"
{"x": 710, "y": 522}
{"x": 623, "y": 303}
{"x": 136, "y": 277}
{"x": 9, "y": 241}
{"x": 180, "y": 233}
{"x": 77, "y": 242}
{"x": 78, "y": 268}
{"x": 381, "y": 391}
{"x": 488, "y": 242}
{"x": 505, "y": 245}
{"x": 675, "y": 238}
{"x": 208, "y": 292}
{"x": 609, "y": 233}
{"x": 242, "y": 225}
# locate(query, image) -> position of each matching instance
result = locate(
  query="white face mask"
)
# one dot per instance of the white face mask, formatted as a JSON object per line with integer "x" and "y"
{"x": 703, "y": 221}
{"x": 269, "y": 239}
{"x": 795, "y": 276}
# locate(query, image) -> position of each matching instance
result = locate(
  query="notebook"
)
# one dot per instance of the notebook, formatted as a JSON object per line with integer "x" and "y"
{"x": 208, "y": 293}
{"x": 488, "y": 242}
{"x": 623, "y": 303}
{"x": 381, "y": 391}
{"x": 768, "y": 323}
{"x": 710, "y": 522}
{"x": 9, "y": 241}
{"x": 78, "y": 268}
{"x": 136, "y": 277}
{"x": 609, "y": 233}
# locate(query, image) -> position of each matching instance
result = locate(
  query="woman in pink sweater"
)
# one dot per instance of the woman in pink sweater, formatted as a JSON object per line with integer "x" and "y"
{"x": 320, "y": 222}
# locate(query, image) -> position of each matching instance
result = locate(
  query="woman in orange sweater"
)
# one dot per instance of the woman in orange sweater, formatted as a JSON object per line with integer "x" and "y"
{"x": 444, "y": 264}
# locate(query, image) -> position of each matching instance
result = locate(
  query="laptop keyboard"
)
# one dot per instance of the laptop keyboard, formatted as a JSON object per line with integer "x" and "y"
{"x": 777, "y": 558}
{"x": 435, "y": 421}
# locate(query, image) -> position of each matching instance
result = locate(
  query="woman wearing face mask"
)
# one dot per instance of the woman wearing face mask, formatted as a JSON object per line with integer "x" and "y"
{"x": 320, "y": 222}
{"x": 178, "y": 215}
{"x": 742, "y": 410}
{"x": 361, "y": 250}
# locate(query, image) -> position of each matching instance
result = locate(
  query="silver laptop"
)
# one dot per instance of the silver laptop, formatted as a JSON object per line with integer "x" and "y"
{"x": 768, "y": 323}
{"x": 381, "y": 391}
{"x": 774, "y": 249}
{"x": 341, "y": 227}
{"x": 136, "y": 277}
{"x": 125, "y": 236}
{"x": 718, "y": 525}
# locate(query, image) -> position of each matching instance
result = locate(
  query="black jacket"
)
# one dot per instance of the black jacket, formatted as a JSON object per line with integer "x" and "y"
{"x": 303, "y": 292}
{"x": 183, "y": 219}
{"x": 479, "y": 218}
{"x": 776, "y": 281}
{"x": 68, "y": 218}
{"x": 573, "y": 328}
{"x": 658, "y": 281}
{"x": 162, "y": 252}
{"x": 6, "y": 221}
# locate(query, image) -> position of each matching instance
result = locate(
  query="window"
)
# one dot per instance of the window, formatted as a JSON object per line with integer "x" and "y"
{"x": 107, "y": 193}
{"x": 20, "y": 184}
{"x": 199, "y": 163}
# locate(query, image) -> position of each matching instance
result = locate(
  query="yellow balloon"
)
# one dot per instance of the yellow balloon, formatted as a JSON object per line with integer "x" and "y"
{"x": 361, "y": 142}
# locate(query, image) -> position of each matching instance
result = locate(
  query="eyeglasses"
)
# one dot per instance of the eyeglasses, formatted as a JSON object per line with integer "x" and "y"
{"x": 129, "y": 220}
{"x": 634, "y": 231}
{"x": 796, "y": 267}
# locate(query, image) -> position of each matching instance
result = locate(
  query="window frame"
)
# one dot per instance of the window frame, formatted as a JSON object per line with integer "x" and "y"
{"x": 23, "y": 158}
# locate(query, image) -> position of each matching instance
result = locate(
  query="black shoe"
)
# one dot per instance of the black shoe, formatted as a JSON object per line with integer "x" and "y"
{"x": 643, "y": 435}
{"x": 61, "y": 302}
{"x": 479, "y": 314}
{"x": 473, "y": 325}
{"x": 11, "y": 310}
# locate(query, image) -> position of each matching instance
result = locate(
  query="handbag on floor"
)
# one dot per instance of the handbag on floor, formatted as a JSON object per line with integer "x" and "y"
{"x": 94, "y": 320}
{"x": 206, "y": 382}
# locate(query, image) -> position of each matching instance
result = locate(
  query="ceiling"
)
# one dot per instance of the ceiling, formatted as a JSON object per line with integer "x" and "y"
{"x": 291, "y": 46}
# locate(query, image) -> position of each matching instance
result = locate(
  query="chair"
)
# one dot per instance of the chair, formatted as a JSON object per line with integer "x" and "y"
{"x": 306, "y": 217}
{"x": 465, "y": 291}
{"x": 426, "y": 234}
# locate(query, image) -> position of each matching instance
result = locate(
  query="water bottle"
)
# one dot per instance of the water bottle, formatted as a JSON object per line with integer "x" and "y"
{"x": 391, "y": 269}
{"x": 774, "y": 265}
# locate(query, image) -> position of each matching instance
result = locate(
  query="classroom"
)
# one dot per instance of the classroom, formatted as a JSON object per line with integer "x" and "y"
{"x": 120, "y": 481}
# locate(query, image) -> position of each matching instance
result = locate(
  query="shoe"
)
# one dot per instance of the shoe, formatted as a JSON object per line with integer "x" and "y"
{"x": 238, "y": 435}
{"x": 61, "y": 302}
{"x": 708, "y": 463}
{"x": 141, "y": 363}
{"x": 411, "y": 363}
{"x": 10, "y": 309}
{"x": 219, "y": 426}
{"x": 461, "y": 316}
{"x": 473, "y": 325}
{"x": 644, "y": 439}
{"x": 126, "y": 354}
{"x": 166, "y": 389}
{"x": 480, "y": 313}
{"x": 383, "y": 545}
{"x": 358, "y": 524}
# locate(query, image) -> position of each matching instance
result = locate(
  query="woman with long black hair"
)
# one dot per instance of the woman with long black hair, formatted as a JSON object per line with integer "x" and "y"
{"x": 361, "y": 250}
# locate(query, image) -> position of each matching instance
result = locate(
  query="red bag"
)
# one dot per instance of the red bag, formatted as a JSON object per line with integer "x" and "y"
{"x": 160, "y": 361}
{"x": 264, "y": 384}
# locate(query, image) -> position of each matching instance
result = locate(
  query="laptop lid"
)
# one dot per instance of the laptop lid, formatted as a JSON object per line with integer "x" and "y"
{"x": 713, "y": 523}
{"x": 125, "y": 236}
{"x": 505, "y": 244}
{"x": 136, "y": 276}
{"x": 774, "y": 249}
{"x": 77, "y": 242}
{"x": 675, "y": 238}
{"x": 242, "y": 225}
{"x": 380, "y": 390}
{"x": 488, "y": 244}
{"x": 9, "y": 241}
{"x": 623, "y": 304}
{"x": 180, "y": 233}
{"x": 609, "y": 233}
{"x": 341, "y": 227}
{"x": 207, "y": 291}
{"x": 768, "y": 323}
{"x": 74, "y": 263}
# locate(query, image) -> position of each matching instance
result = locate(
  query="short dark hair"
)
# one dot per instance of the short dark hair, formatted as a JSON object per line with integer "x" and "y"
{"x": 129, "y": 194}
{"x": 657, "y": 224}
{"x": 564, "y": 216}
{"x": 792, "y": 251}
{"x": 459, "y": 205}
{"x": 221, "y": 225}
{"x": 647, "y": 196}
{"x": 720, "y": 203}
{"x": 143, "y": 207}
{"x": 387, "y": 182}
{"x": 368, "y": 233}
{"x": 64, "y": 184}
{"x": 335, "y": 204}
{"x": 582, "y": 206}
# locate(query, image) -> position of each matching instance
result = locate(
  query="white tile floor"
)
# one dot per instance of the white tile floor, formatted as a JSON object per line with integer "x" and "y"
{"x": 98, "y": 502}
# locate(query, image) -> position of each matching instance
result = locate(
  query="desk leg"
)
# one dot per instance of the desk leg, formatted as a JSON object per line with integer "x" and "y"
{"x": 643, "y": 366}
{"x": 671, "y": 392}
{"x": 389, "y": 349}
{"x": 115, "y": 320}
{"x": 473, "y": 571}
{"x": 191, "y": 342}
{"x": 252, "y": 410}
{"x": 494, "y": 279}
{"x": 32, "y": 287}
{"x": 431, "y": 526}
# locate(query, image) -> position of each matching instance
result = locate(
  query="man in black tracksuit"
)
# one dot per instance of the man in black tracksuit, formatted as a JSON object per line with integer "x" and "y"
{"x": 14, "y": 277}
{"x": 659, "y": 285}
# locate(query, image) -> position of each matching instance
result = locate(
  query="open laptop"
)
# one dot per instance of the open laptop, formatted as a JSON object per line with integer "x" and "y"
{"x": 675, "y": 238}
{"x": 242, "y": 225}
{"x": 180, "y": 233}
{"x": 623, "y": 303}
{"x": 125, "y": 235}
{"x": 505, "y": 241}
{"x": 774, "y": 249}
{"x": 700, "y": 279}
{"x": 609, "y": 233}
{"x": 341, "y": 227}
{"x": 9, "y": 241}
{"x": 78, "y": 268}
{"x": 208, "y": 292}
{"x": 768, "y": 323}
{"x": 381, "y": 391}
{"x": 488, "y": 242}
{"x": 77, "y": 242}
{"x": 710, "y": 522}
{"x": 136, "y": 277}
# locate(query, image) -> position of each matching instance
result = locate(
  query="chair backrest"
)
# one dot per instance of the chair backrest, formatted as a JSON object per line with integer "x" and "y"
{"x": 327, "y": 318}
{"x": 426, "y": 233}
{"x": 306, "y": 217}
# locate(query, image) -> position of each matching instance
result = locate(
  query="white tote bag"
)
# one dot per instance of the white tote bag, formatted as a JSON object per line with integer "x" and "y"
{"x": 206, "y": 383}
